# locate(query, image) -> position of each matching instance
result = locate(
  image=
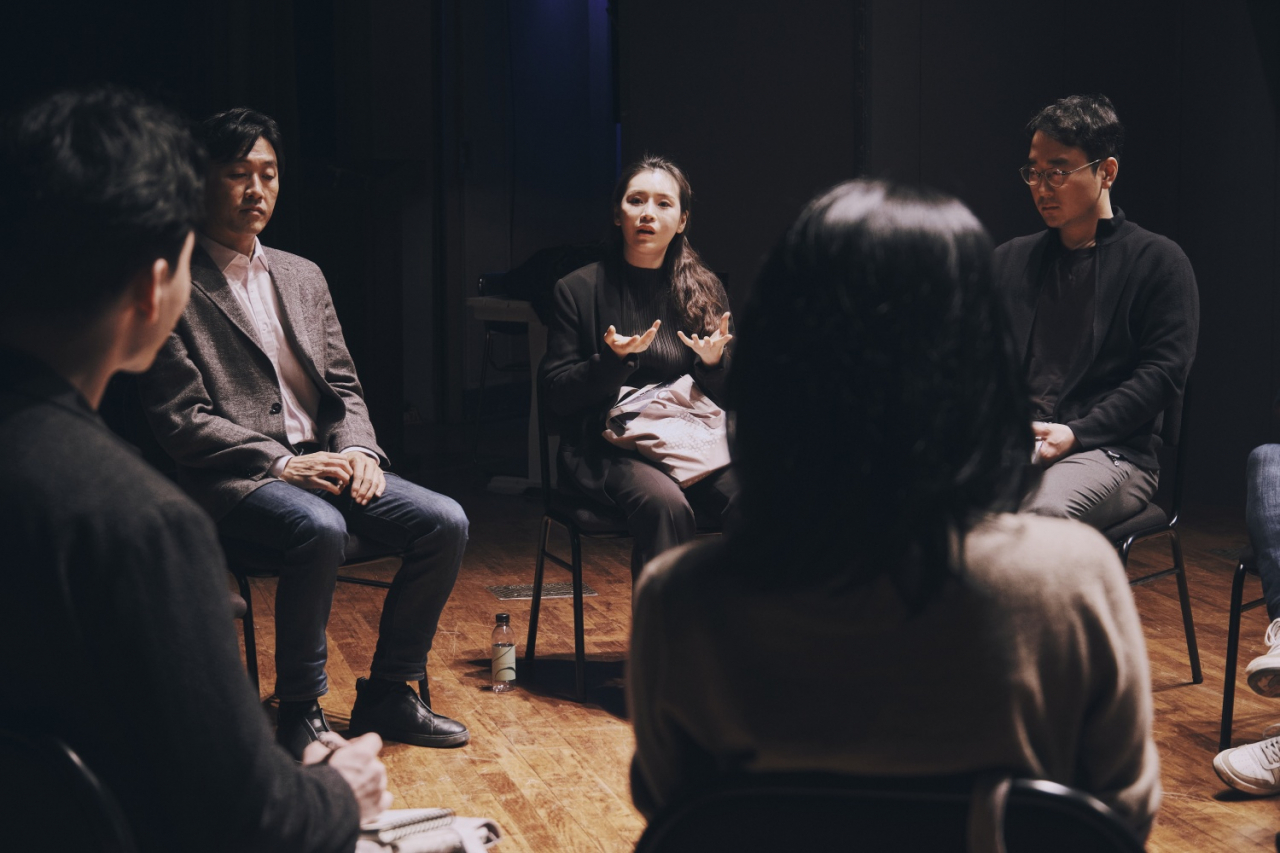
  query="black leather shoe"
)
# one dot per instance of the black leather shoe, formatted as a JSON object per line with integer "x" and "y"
{"x": 396, "y": 712}
{"x": 298, "y": 724}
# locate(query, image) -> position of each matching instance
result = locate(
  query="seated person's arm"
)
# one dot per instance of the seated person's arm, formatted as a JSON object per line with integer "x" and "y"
{"x": 711, "y": 378}
{"x": 578, "y": 373}
{"x": 1167, "y": 315}
{"x": 355, "y": 431}
{"x": 187, "y": 425}
{"x": 217, "y": 768}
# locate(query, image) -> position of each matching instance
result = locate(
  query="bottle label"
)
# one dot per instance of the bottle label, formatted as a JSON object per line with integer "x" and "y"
{"x": 504, "y": 662}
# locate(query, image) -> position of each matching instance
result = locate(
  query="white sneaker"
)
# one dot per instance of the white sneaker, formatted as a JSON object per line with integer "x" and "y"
{"x": 1253, "y": 768}
{"x": 1264, "y": 670}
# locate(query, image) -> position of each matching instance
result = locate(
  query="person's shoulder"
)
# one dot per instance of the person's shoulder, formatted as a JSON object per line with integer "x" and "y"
{"x": 679, "y": 567}
{"x": 1133, "y": 234}
{"x": 1060, "y": 554}
{"x": 278, "y": 259}
{"x": 75, "y": 468}
{"x": 584, "y": 276}
{"x": 1010, "y": 258}
{"x": 1025, "y": 243}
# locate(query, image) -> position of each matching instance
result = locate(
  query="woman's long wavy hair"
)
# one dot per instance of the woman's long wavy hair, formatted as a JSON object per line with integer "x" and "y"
{"x": 694, "y": 288}
{"x": 880, "y": 406}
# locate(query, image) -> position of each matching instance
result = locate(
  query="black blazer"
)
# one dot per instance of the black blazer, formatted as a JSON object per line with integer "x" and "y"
{"x": 1146, "y": 320}
{"x": 580, "y": 376}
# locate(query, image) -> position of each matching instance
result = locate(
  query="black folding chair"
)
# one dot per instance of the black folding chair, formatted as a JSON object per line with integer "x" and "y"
{"x": 1244, "y": 566}
{"x": 53, "y": 801}
{"x": 1161, "y": 517}
{"x": 579, "y": 516}
{"x": 965, "y": 814}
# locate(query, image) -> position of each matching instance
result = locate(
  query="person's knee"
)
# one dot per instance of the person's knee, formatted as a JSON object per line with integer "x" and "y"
{"x": 665, "y": 507}
{"x": 437, "y": 519}
{"x": 320, "y": 533}
{"x": 1036, "y": 504}
{"x": 452, "y": 518}
{"x": 1264, "y": 463}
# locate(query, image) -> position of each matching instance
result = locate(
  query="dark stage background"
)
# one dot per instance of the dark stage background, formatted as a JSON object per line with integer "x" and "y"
{"x": 428, "y": 142}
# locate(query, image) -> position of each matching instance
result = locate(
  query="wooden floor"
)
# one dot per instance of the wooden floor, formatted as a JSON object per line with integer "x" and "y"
{"x": 553, "y": 772}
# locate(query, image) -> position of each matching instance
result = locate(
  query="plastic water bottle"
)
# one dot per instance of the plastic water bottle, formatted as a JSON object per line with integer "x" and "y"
{"x": 504, "y": 654}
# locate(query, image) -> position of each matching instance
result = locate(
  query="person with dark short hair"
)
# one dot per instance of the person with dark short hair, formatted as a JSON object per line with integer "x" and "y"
{"x": 1105, "y": 316}
{"x": 256, "y": 398}
{"x": 118, "y": 633}
{"x": 876, "y": 613}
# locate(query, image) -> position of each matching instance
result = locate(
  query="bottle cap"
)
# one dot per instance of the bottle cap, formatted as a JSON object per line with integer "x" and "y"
{"x": 502, "y": 618}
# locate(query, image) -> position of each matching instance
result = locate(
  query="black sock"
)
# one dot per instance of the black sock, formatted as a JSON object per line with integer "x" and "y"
{"x": 379, "y": 687}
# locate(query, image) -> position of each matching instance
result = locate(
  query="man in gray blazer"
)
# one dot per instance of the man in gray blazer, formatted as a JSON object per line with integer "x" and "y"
{"x": 256, "y": 398}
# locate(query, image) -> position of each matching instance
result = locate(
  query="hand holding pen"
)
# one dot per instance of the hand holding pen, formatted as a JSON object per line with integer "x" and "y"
{"x": 357, "y": 762}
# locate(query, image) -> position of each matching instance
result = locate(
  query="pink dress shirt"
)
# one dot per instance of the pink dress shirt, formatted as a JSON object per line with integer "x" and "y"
{"x": 250, "y": 280}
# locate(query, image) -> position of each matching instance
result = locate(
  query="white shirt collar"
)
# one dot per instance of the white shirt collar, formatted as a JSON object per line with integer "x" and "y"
{"x": 224, "y": 256}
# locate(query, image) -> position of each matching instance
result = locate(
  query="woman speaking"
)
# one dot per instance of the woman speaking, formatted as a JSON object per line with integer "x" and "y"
{"x": 647, "y": 315}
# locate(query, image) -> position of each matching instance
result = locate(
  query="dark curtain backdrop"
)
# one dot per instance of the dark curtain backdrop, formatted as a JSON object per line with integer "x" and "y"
{"x": 429, "y": 142}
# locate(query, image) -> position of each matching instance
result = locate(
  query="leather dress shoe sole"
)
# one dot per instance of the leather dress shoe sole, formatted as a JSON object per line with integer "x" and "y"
{"x": 412, "y": 738}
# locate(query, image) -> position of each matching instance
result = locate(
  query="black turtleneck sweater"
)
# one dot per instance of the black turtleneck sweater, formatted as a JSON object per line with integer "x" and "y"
{"x": 646, "y": 297}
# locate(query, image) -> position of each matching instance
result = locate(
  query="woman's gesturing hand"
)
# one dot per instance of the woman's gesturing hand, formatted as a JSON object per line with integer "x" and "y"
{"x": 624, "y": 346}
{"x": 710, "y": 348}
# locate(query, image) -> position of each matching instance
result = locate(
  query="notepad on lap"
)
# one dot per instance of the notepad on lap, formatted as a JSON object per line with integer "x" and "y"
{"x": 427, "y": 831}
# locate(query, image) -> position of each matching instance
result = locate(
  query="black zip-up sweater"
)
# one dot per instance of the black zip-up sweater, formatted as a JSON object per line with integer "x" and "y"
{"x": 1146, "y": 320}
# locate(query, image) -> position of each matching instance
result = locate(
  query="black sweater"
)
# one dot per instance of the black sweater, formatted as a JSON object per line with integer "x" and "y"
{"x": 1146, "y": 320}
{"x": 580, "y": 375}
{"x": 119, "y": 639}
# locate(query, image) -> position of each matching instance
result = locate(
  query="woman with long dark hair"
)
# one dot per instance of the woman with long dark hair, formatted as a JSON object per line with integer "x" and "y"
{"x": 649, "y": 313}
{"x": 875, "y": 612}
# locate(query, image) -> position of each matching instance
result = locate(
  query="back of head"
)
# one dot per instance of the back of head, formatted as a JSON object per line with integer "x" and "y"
{"x": 1087, "y": 122}
{"x": 877, "y": 393}
{"x": 98, "y": 184}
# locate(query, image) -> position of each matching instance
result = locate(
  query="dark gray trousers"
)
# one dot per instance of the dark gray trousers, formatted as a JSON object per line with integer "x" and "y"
{"x": 1098, "y": 489}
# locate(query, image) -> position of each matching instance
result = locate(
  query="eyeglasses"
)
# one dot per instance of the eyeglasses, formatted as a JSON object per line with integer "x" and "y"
{"x": 1053, "y": 177}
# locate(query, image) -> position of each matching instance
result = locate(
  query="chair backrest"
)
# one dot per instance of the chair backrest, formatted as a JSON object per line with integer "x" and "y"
{"x": 1174, "y": 430}
{"x": 770, "y": 812}
{"x": 52, "y": 801}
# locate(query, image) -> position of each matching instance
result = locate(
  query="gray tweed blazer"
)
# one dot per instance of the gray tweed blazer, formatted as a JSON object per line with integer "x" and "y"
{"x": 212, "y": 396}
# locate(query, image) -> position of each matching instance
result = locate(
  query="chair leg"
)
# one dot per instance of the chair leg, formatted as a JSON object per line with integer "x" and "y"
{"x": 579, "y": 641}
{"x": 250, "y": 640}
{"x": 1184, "y": 597}
{"x": 1233, "y": 651}
{"x": 536, "y": 606}
{"x": 1124, "y": 552}
{"x": 484, "y": 375}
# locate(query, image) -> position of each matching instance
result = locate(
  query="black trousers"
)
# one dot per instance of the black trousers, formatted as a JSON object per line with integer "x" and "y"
{"x": 660, "y": 515}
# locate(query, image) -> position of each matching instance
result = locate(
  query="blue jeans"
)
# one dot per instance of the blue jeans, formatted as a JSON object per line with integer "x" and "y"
{"x": 305, "y": 534}
{"x": 1262, "y": 515}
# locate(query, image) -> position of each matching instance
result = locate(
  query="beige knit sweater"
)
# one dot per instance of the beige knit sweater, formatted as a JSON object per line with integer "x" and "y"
{"x": 1035, "y": 663}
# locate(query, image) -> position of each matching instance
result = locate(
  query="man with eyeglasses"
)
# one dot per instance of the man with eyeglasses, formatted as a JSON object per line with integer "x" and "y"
{"x": 1105, "y": 316}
